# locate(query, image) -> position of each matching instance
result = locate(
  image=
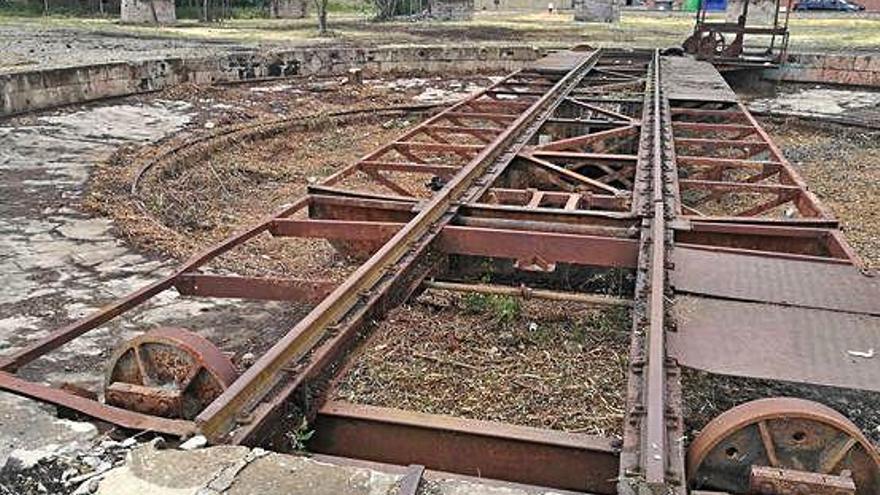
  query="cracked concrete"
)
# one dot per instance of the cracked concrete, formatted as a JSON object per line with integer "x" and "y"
{"x": 821, "y": 101}
{"x": 53, "y": 257}
{"x": 59, "y": 264}
{"x": 241, "y": 471}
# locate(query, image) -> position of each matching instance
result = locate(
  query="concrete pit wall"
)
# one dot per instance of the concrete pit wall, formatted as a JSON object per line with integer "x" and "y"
{"x": 147, "y": 11}
{"x": 28, "y": 91}
{"x": 848, "y": 69}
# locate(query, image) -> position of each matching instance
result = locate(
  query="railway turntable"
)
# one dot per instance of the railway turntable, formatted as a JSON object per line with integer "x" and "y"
{"x": 614, "y": 180}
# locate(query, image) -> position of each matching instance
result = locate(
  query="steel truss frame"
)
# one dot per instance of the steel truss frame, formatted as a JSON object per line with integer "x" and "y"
{"x": 582, "y": 212}
{"x": 579, "y": 160}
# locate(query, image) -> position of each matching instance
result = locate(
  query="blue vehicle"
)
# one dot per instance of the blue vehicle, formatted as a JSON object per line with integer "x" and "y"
{"x": 839, "y": 5}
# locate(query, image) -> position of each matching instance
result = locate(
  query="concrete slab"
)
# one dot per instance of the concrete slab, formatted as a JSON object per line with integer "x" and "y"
{"x": 241, "y": 471}
{"x": 689, "y": 79}
{"x": 279, "y": 473}
{"x": 148, "y": 471}
{"x": 32, "y": 431}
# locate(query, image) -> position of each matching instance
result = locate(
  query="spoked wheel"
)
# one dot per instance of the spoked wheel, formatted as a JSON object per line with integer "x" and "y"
{"x": 715, "y": 43}
{"x": 783, "y": 445}
{"x": 168, "y": 372}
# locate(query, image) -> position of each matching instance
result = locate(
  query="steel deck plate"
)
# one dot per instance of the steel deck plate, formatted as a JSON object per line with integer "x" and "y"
{"x": 560, "y": 62}
{"x": 688, "y": 79}
{"x": 775, "y": 280}
{"x": 776, "y": 342}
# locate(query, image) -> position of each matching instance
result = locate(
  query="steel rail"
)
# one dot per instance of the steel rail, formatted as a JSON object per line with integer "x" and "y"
{"x": 529, "y": 293}
{"x": 218, "y": 419}
{"x": 654, "y": 447}
{"x": 651, "y": 462}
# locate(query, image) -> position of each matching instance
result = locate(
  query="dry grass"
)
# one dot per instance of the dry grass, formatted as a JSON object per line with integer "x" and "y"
{"x": 201, "y": 195}
{"x": 192, "y": 204}
{"x": 706, "y": 396}
{"x": 534, "y": 363}
{"x": 842, "y": 166}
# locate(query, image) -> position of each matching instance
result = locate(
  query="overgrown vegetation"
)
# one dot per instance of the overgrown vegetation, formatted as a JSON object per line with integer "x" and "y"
{"x": 300, "y": 437}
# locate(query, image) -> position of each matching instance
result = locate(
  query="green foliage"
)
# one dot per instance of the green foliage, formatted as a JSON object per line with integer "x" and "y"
{"x": 504, "y": 309}
{"x": 236, "y": 12}
{"x": 300, "y": 436}
{"x": 188, "y": 12}
{"x": 410, "y": 7}
{"x": 609, "y": 321}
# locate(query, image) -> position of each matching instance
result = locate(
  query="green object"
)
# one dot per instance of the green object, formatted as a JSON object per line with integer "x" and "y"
{"x": 690, "y": 5}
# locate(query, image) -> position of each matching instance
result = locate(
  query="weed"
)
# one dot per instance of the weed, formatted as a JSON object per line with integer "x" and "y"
{"x": 300, "y": 436}
{"x": 504, "y": 309}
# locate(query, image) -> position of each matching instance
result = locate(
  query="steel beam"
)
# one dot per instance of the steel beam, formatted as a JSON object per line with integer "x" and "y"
{"x": 114, "y": 415}
{"x": 552, "y": 459}
{"x": 549, "y": 246}
{"x": 273, "y": 289}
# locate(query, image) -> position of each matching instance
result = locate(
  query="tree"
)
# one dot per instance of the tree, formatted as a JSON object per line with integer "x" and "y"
{"x": 321, "y": 6}
{"x": 386, "y": 9}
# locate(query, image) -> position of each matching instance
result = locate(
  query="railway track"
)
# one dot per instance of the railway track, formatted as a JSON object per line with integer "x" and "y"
{"x": 586, "y": 162}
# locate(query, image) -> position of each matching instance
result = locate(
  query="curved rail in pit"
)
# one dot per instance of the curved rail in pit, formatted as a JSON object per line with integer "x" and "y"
{"x": 262, "y": 130}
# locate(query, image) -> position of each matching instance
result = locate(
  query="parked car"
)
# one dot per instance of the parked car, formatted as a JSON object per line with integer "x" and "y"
{"x": 840, "y": 5}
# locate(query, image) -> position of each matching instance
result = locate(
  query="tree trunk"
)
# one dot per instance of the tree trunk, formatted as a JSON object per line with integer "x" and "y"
{"x": 322, "y": 16}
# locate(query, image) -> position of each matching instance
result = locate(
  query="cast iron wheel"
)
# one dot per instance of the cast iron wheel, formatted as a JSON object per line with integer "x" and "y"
{"x": 785, "y": 433}
{"x": 169, "y": 372}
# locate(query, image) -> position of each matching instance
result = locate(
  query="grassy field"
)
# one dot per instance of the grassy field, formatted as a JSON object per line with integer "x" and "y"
{"x": 836, "y": 33}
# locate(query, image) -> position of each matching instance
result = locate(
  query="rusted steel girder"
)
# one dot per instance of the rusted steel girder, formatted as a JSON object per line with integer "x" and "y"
{"x": 547, "y": 458}
{"x": 114, "y": 415}
{"x": 721, "y": 167}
